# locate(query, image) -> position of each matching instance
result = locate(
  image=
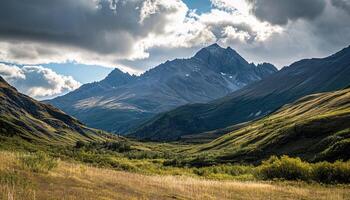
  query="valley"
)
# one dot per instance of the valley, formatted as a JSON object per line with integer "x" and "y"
{"x": 129, "y": 101}
{"x": 298, "y": 151}
{"x": 256, "y": 100}
{"x": 79, "y": 181}
{"x": 174, "y": 100}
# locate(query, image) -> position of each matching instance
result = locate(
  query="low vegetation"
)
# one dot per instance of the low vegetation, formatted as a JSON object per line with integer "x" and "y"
{"x": 287, "y": 168}
{"x": 315, "y": 128}
{"x": 127, "y": 156}
{"x": 39, "y": 162}
{"x": 71, "y": 180}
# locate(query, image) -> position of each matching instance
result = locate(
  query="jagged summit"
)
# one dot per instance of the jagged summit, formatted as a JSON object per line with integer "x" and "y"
{"x": 129, "y": 100}
{"x": 214, "y": 50}
{"x": 254, "y": 101}
{"x": 224, "y": 54}
{"x": 214, "y": 47}
{"x": 117, "y": 78}
{"x": 223, "y": 60}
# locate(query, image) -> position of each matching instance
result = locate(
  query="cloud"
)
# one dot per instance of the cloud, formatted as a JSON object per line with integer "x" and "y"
{"x": 307, "y": 34}
{"x": 135, "y": 35}
{"x": 84, "y": 30}
{"x": 37, "y": 81}
{"x": 342, "y": 4}
{"x": 230, "y": 5}
{"x": 280, "y": 12}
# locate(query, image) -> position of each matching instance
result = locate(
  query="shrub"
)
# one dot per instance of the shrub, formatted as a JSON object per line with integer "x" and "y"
{"x": 120, "y": 146}
{"x": 325, "y": 172}
{"x": 284, "y": 168}
{"x": 176, "y": 162}
{"x": 230, "y": 170}
{"x": 80, "y": 144}
{"x": 39, "y": 162}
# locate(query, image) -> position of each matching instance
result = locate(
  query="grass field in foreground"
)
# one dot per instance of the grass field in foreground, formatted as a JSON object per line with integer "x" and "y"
{"x": 77, "y": 181}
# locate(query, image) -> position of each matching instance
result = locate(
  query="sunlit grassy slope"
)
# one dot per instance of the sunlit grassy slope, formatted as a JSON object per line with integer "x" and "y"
{"x": 77, "y": 181}
{"x": 27, "y": 121}
{"x": 316, "y": 127}
{"x": 256, "y": 100}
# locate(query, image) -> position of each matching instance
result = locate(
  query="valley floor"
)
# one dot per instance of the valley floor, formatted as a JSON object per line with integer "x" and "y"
{"x": 77, "y": 181}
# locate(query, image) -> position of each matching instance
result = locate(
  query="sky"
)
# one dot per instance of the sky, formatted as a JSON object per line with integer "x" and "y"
{"x": 48, "y": 48}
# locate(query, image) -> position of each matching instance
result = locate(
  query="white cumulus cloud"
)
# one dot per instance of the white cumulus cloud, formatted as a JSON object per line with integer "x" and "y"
{"x": 135, "y": 35}
{"x": 37, "y": 81}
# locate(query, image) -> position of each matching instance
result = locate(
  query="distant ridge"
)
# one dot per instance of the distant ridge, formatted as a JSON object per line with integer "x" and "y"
{"x": 121, "y": 102}
{"x": 254, "y": 101}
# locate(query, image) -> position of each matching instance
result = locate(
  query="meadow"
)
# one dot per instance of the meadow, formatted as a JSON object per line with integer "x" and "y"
{"x": 132, "y": 170}
{"x": 72, "y": 180}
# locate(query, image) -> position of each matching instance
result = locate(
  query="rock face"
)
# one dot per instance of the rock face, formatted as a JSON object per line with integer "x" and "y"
{"x": 121, "y": 101}
{"x": 253, "y": 101}
{"x": 25, "y": 118}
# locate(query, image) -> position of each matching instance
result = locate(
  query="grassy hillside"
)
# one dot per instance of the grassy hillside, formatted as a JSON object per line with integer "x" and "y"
{"x": 25, "y": 121}
{"x": 316, "y": 127}
{"x": 209, "y": 136}
{"x": 254, "y": 101}
{"x": 69, "y": 180}
{"x": 71, "y": 161}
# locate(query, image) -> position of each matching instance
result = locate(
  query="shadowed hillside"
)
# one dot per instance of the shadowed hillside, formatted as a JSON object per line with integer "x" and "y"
{"x": 24, "y": 118}
{"x": 254, "y": 101}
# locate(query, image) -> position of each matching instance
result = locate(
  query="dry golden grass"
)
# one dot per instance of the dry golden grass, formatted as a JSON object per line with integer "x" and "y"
{"x": 76, "y": 181}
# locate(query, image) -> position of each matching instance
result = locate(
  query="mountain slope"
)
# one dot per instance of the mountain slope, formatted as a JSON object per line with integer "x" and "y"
{"x": 253, "y": 101}
{"x": 129, "y": 100}
{"x": 316, "y": 127}
{"x": 24, "y": 118}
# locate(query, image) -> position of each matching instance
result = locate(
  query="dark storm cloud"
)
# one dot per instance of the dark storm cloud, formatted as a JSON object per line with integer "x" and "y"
{"x": 343, "y": 4}
{"x": 111, "y": 32}
{"x": 103, "y": 26}
{"x": 281, "y": 11}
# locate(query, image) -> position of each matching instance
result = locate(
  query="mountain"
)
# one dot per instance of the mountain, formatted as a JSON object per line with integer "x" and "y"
{"x": 315, "y": 127}
{"x": 121, "y": 101}
{"x": 23, "y": 118}
{"x": 253, "y": 101}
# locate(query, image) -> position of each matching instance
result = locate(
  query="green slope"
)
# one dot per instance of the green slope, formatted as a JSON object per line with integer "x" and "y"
{"x": 252, "y": 102}
{"x": 316, "y": 127}
{"x": 23, "y": 119}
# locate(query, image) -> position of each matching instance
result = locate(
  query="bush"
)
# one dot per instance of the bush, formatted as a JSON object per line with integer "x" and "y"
{"x": 325, "y": 172}
{"x": 80, "y": 144}
{"x": 118, "y": 146}
{"x": 284, "y": 168}
{"x": 230, "y": 170}
{"x": 39, "y": 162}
{"x": 176, "y": 162}
{"x": 294, "y": 169}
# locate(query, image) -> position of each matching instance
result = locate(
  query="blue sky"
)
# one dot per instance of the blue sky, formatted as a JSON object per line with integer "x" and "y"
{"x": 199, "y": 5}
{"x": 80, "y": 72}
